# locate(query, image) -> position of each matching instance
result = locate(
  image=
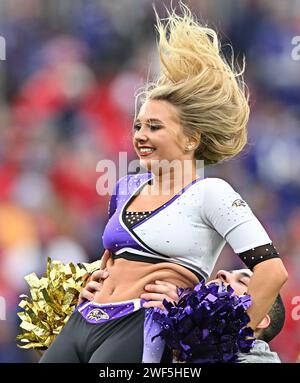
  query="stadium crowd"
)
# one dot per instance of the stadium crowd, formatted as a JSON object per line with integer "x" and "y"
{"x": 67, "y": 102}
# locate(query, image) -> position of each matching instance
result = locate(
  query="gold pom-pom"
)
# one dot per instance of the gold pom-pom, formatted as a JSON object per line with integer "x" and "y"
{"x": 52, "y": 300}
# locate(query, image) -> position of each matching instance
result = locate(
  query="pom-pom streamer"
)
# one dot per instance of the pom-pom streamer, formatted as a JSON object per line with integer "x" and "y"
{"x": 207, "y": 325}
{"x": 51, "y": 302}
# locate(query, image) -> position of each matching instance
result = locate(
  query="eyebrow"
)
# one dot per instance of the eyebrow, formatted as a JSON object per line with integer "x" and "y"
{"x": 242, "y": 274}
{"x": 245, "y": 275}
{"x": 149, "y": 120}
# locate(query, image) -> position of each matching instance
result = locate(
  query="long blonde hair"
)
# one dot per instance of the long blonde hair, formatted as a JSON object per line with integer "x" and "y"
{"x": 210, "y": 95}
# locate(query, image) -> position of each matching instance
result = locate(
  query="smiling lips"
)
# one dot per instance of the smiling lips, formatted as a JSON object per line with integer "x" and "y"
{"x": 145, "y": 151}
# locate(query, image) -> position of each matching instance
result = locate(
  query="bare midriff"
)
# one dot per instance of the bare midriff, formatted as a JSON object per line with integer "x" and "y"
{"x": 127, "y": 279}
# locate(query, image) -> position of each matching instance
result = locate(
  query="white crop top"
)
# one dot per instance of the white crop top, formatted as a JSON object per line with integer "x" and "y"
{"x": 191, "y": 229}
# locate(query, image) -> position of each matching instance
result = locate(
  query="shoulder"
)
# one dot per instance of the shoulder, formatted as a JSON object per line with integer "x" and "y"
{"x": 209, "y": 189}
{"x": 260, "y": 353}
{"x": 217, "y": 188}
{"x": 130, "y": 182}
{"x": 219, "y": 196}
{"x": 215, "y": 184}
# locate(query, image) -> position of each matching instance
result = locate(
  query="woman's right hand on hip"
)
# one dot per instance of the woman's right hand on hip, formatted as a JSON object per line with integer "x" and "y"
{"x": 95, "y": 284}
{"x": 95, "y": 281}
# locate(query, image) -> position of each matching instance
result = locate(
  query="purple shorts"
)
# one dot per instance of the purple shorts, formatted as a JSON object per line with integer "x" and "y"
{"x": 97, "y": 313}
{"x": 104, "y": 313}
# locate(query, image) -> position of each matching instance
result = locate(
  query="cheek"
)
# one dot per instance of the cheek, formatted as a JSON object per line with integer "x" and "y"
{"x": 172, "y": 142}
{"x": 161, "y": 141}
{"x": 237, "y": 288}
{"x": 178, "y": 146}
{"x": 241, "y": 290}
{"x": 180, "y": 141}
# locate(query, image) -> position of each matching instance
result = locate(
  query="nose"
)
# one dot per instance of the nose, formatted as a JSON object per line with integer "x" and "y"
{"x": 224, "y": 276}
{"x": 140, "y": 136}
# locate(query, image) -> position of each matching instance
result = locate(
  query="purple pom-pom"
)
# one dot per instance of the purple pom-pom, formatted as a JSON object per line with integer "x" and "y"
{"x": 207, "y": 325}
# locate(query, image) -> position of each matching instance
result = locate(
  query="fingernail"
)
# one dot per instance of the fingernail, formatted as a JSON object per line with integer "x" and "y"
{"x": 105, "y": 274}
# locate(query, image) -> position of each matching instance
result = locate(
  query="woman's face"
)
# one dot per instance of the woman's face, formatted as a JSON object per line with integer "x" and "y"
{"x": 158, "y": 134}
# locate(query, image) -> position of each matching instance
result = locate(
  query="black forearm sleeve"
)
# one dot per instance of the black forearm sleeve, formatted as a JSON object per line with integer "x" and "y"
{"x": 258, "y": 254}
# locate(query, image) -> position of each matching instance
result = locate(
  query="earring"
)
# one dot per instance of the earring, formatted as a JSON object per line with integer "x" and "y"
{"x": 189, "y": 147}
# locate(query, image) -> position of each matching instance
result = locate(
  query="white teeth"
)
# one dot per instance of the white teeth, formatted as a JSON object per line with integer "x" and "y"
{"x": 146, "y": 150}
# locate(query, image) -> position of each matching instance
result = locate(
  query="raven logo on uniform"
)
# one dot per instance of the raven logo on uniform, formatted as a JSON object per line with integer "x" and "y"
{"x": 238, "y": 202}
{"x": 97, "y": 314}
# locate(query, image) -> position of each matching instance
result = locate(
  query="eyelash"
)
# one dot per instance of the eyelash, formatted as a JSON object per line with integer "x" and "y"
{"x": 137, "y": 127}
{"x": 243, "y": 283}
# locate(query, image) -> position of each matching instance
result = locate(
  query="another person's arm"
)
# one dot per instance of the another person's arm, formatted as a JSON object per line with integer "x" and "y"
{"x": 232, "y": 218}
{"x": 155, "y": 295}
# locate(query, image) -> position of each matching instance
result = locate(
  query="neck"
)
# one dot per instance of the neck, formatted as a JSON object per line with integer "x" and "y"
{"x": 256, "y": 333}
{"x": 171, "y": 179}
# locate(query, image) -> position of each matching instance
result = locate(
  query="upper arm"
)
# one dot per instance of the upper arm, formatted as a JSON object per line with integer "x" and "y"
{"x": 227, "y": 212}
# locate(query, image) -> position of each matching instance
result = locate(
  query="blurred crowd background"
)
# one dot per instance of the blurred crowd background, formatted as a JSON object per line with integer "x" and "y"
{"x": 67, "y": 101}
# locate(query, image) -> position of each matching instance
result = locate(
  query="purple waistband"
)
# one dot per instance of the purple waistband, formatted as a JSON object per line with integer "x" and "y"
{"x": 102, "y": 312}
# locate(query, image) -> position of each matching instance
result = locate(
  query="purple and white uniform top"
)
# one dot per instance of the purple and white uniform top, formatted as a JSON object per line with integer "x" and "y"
{"x": 190, "y": 230}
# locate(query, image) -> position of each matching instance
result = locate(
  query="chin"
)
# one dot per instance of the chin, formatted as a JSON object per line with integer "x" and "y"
{"x": 146, "y": 164}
